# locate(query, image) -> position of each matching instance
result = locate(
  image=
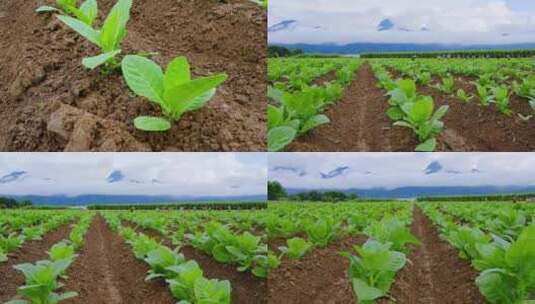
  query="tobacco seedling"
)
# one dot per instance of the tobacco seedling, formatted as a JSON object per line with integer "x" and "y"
{"x": 501, "y": 98}
{"x": 296, "y": 249}
{"x": 447, "y": 86}
{"x": 160, "y": 259}
{"x": 420, "y": 118}
{"x": 484, "y": 96}
{"x": 87, "y": 12}
{"x": 175, "y": 92}
{"x": 42, "y": 281}
{"x": 62, "y": 251}
{"x": 108, "y": 38}
{"x": 462, "y": 95}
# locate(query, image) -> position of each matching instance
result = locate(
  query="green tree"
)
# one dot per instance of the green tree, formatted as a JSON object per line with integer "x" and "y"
{"x": 276, "y": 191}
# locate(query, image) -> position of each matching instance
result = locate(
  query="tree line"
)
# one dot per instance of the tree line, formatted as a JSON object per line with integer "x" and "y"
{"x": 11, "y": 203}
{"x": 277, "y": 192}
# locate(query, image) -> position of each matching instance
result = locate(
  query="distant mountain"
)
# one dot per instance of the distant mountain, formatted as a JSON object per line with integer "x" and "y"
{"x": 369, "y": 47}
{"x": 83, "y": 200}
{"x": 413, "y": 192}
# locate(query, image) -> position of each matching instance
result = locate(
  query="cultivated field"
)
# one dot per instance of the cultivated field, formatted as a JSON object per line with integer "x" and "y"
{"x": 65, "y": 86}
{"x": 447, "y": 253}
{"x": 398, "y": 104}
{"x": 134, "y": 257}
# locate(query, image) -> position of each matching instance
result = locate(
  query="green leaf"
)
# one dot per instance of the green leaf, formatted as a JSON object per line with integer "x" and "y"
{"x": 395, "y": 113}
{"x": 421, "y": 110}
{"x": 90, "y": 9}
{"x": 427, "y": 146}
{"x": 152, "y": 124}
{"x": 144, "y": 77}
{"x": 179, "y": 96}
{"x": 95, "y": 61}
{"x": 276, "y": 95}
{"x": 199, "y": 101}
{"x": 81, "y": 28}
{"x": 365, "y": 292}
{"x": 314, "y": 122}
{"x": 274, "y": 115}
{"x": 46, "y": 9}
{"x": 177, "y": 73}
{"x": 280, "y": 137}
{"x": 114, "y": 28}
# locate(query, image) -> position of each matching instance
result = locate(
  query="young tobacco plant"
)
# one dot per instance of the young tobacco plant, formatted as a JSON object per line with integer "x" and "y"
{"x": 42, "y": 281}
{"x": 501, "y": 98}
{"x": 86, "y": 13}
{"x": 175, "y": 92}
{"x": 419, "y": 117}
{"x": 296, "y": 249}
{"x": 108, "y": 38}
{"x": 462, "y": 95}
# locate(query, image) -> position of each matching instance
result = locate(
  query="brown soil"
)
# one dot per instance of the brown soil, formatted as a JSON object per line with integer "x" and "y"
{"x": 358, "y": 122}
{"x": 320, "y": 81}
{"x": 246, "y": 288}
{"x": 436, "y": 274}
{"x": 108, "y": 272}
{"x": 40, "y": 63}
{"x": 319, "y": 277}
{"x": 30, "y": 252}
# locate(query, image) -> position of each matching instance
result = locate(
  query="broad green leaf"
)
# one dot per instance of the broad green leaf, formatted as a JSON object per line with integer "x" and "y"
{"x": 176, "y": 96}
{"x": 114, "y": 28}
{"x": 427, "y": 146}
{"x": 144, "y": 77}
{"x": 199, "y": 101}
{"x": 440, "y": 112}
{"x": 90, "y": 9}
{"x": 274, "y": 116}
{"x": 46, "y": 9}
{"x": 314, "y": 122}
{"x": 177, "y": 73}
{"x": 81, "y": 28}
{"x": 280, "y": 137}
{"x": 365, "y": 292}
{"x": 276, "y": 95}
{"x": 93, "y": 62}
{"x": 395, "y": 113}
{"x": 421, "y": 110}
{"x": 496, "y": 286}
{"x": 152, "y": 124}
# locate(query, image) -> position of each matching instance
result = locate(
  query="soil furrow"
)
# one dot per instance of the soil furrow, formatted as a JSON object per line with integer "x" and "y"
{"x": 246, "y": 288}
{"x": 319, "y": 277}
{"x": 108, "y": 272}
{"x": 30, "y": 252}
{"x": 436, "y": 274}
{"x": 358, "y": 122}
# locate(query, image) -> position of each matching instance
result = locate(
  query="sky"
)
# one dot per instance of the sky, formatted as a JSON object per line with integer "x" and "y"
{"x": 71, "y": 174}
{"x": 402, "y": 21}
{"x": 393, "y": 170}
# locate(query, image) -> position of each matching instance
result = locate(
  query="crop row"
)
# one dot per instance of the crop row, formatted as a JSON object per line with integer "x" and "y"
{"x": 297, "y": 102}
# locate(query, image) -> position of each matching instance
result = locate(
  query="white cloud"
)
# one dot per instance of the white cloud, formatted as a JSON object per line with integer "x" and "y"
{"x": 452, "y": 21}
{"x": 178, "y": 173}
{"x": 392, "y": 170}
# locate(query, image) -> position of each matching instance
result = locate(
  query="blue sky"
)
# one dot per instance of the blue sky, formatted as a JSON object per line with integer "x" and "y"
{"x": 392, "y": 170}
{"x": 133, "y": 173}
{"x": 415, "y": 21}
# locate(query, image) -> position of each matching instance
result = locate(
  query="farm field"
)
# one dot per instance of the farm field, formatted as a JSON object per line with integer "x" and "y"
{"x": 53, "y": 102}
{"x": 134, "y": 256}
{"x": 395, "y": 252}
{"x": 399, "y": 104}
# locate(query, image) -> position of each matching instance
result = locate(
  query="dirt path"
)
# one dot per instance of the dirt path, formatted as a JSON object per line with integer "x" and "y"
{"x": 436, "y": 275}
{"x": 320, "y": 277}
{"x": 31, "y": 252}
{"x": 246, "y": 288}
{"x": 358, "y": 122}
{"x": 106, "y": 272}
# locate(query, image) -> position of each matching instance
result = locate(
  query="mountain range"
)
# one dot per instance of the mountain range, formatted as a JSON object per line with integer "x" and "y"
{"x": 419, "y": 191}
{"x": 385, "y": 25}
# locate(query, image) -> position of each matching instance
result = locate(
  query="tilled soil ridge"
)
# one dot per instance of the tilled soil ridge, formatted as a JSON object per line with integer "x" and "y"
{"x": 320, "y": 277}
{"x": 30, "y": 252}
{"x": 107, "y": 272}
{"x": 358, "y": 122}
{"x": 436, "y": 274}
